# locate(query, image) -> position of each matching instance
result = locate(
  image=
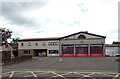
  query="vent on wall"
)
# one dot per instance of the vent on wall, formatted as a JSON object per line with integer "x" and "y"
{"x": 81, "y": 37}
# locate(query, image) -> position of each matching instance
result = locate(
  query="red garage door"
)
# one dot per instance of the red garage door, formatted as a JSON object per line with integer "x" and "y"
{"x": 67, "y": 50}
{"x": 96, "y": 50}
{"x": 81, "y": 50}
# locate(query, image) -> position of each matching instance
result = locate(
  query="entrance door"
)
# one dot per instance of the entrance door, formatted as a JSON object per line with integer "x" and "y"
{"x": 39, "y": 52}
{"x": 81, "y": 50}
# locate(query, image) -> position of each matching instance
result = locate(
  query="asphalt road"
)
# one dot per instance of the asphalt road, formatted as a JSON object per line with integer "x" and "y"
{"x": 75, "y": 65}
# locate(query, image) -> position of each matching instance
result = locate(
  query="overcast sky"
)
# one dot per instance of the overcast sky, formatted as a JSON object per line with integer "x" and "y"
{"x": 57, "y": 18}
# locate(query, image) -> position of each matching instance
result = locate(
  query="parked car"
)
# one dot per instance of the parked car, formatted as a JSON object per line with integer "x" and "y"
{"x": 117, "y": 55}
{"x": 107, "y": 55}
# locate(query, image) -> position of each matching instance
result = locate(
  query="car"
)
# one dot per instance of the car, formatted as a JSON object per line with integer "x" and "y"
{"x": 107, "y": 55}
{"x": 117, "y": 55}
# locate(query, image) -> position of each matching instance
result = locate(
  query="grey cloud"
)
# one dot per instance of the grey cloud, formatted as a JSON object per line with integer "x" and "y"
{"x": 12, "y": 11}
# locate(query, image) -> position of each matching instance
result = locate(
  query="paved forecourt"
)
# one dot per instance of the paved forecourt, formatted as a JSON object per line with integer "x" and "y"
{"x": 53, "y": 67}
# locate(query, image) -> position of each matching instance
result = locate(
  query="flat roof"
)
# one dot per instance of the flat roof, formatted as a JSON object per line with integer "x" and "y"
{"x": 42, "y": 39}
{"x": 112, "y": 45}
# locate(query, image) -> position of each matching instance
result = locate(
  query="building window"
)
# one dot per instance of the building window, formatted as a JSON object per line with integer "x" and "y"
{"x": 22, "y": 44}
{"x": 29, "y": 44}
{"x": 53, "y": 51}
{"x": 36, "y": 44}
{"x": 82, "y": 37}
{"x": 25, "y": 52}
{"x": 44, "y": 43}
{"x": 53, "y": 43}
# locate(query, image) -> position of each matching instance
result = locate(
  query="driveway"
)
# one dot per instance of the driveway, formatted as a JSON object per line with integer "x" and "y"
{"x": 99, "y": 64}
{"x": 65, "y": 68}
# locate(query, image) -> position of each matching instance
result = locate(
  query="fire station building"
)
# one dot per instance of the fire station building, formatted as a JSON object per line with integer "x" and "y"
{"x": 81, "y": 44}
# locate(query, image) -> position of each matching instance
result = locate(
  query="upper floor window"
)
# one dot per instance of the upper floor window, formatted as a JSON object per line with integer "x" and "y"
{"x": 44, "y": 43}
{"x": 81, "y": 37}
{"x": 29, "y": 44}
{"x": 36, "y": 44}
{"x": 53, "y": 43}
{"x": 22, "y": 44}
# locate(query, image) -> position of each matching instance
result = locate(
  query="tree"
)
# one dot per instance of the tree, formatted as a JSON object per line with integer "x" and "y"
{"x": 4, "y": 35}
{"x": 116, "y": 42}
{"x": 15, "y": 40}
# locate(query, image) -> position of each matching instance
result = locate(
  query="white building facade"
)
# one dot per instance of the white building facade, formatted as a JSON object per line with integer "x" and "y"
{"x": 81, "y": 44}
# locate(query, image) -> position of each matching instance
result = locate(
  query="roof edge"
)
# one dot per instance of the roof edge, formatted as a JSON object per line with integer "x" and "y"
{"x": 86, "y": 32}
{"x": 39, "y": 39}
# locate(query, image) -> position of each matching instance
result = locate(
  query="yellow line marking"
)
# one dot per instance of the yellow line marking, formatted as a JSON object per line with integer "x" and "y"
{"x": 57, "y": 75}
{"x": 44, "y": 73}
{"x": 6, "y": 72}
{"x": 84, "y": 75}
{"x": 34, "y": 71}
{"x": 99, "y": 72}
{"x": 28, "y": 75}
{"x": 23, "y": 71}
{"x": 88, "y": 75}
{"x": 18, "y": 73}
{"x": 11, "y": 74}
{"x": 106, "y": 74}
{"x": 117, "y": 75}
{"x": 34, "y": 74}
{"x": 5, "y": 75}
{"x": 68, "y": 73}
{"x": 39, "y": 73}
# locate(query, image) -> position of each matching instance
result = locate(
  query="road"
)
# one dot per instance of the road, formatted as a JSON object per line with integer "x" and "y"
{"x": 51, "y": 67}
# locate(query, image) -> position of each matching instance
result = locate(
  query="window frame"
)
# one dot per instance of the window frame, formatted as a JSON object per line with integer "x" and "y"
{"x": 22, "y": 44}
{"x": 53, "y": 43}
{"x": 54, "y": 52}
{"x": 36, "y": 43}
{"x": 29, "y": 43}
{"x": 22, "y": 51}
{"x": 44, "y": 43}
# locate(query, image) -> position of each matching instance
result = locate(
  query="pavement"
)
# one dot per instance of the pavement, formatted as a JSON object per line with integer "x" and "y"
{"x": 69, "y": 67}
